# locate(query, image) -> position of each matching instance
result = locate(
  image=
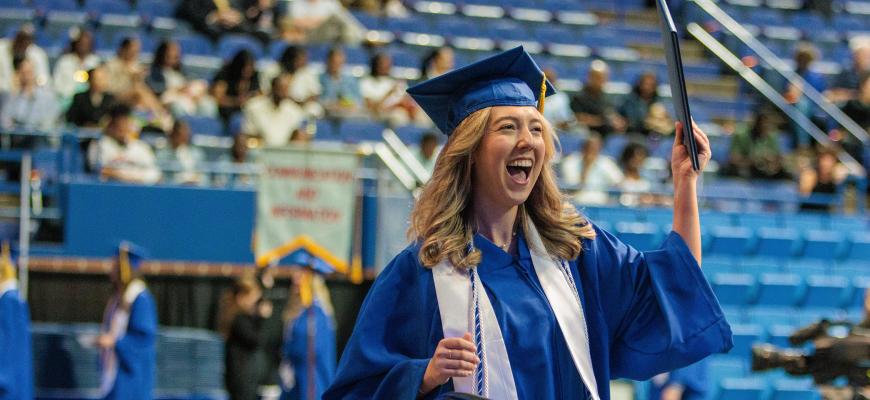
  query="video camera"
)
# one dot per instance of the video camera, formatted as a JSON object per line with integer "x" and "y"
{"x": 840, "y": 350}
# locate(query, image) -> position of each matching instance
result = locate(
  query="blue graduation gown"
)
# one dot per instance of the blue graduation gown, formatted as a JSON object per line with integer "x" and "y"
{"x": 137, "y": 354}
{"x": 646, "y": 313}
{"x": 692, "y": 378}
{"x": 16, "y": 357}
{"x": 295, "y": 351}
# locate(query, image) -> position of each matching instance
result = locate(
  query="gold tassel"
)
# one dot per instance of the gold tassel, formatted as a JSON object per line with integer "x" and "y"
{"x": 8, "y": 269}
{"x": 306, "y": 291}
{"x": 543, "y": 94}
{"x": 124, "y": 264}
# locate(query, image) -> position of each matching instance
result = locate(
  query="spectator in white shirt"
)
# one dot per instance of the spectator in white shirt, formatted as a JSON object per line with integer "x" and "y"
{"x": 321, "y": 21}
{"x": 183, "y": 158}
{"x": 119, "y": 155}
{"x": 70, "y": 70}
{"x": 176, "y": 92}
{"x": 22, "y": 46}
{"x": 29, "y": 106}
{"x": 558, "y": 109}
{"x": 384, "y": 95}
{"x": 273, "y": 117}
{"x": 593, "y": 172}
{"x": 304, "y": 81}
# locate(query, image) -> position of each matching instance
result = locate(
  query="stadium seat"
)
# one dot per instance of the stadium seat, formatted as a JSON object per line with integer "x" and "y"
{"x": 860, "y": 285}
{"x": 794, "y": 389}
{"x": 108, "y": 7}
{"x": 826, "y": 291}
{"x": 741, "y": 389}
{"x": 734, "y": 288}
{"x": 822, "y": 244}
{"x": 229, "y": 45}
{"x": 355, "y": 131}
{"x": 155, "y": 8}
{"x": 756, "y": 221}
{"x": 859, "y": 249}
{"x": 643, "y": 236}
{"x": 778, "y": 335}
{"x": 779, "y": 289}
{"x": 732, "y": 241}
{"x": 767, "y": 315}
{"x": 723, "y": 366}
{"x": 202, "y": 125}
{"x": 194, "y": 44}
{"x": 776, "y": 242}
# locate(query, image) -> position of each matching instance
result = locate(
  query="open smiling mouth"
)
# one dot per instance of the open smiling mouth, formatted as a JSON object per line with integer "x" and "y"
{"x": 520, "y": 170}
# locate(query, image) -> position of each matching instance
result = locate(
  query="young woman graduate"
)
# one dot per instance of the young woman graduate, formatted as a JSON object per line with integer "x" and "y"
{"x": 506, "y": 291}
{"x": 308, "y": 351}
{"x": 16, "y": 358}
{"x": 129, "y": 332}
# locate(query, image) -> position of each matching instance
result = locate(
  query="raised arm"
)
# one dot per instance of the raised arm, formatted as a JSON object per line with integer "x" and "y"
{"x": 686, "y": 222}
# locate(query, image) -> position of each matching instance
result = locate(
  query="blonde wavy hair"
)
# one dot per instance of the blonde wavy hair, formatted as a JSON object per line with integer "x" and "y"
{"x": 442, "y": 218}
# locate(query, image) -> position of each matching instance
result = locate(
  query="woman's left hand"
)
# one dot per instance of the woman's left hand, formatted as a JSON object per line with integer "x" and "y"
{"x": 681, "y": 162}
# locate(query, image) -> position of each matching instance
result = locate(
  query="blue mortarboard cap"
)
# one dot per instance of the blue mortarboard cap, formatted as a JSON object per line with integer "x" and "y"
{"x": 510, "y": 78}
{"x": 130, "y": 257}
{"x": 303, "y": 258}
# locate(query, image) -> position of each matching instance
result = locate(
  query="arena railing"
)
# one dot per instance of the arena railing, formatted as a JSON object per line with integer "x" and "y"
{"x": 766, "y": 55}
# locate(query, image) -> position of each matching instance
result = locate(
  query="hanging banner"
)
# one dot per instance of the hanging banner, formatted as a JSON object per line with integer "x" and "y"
{"x": 305, "y": 206}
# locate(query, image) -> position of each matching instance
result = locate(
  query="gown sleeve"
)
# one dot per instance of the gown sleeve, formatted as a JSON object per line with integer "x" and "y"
{"x": 391, "y": 343}
{"x": 139, "y": 340}
{"x": 7, "y": 323}
{"x": 660, "y": 311}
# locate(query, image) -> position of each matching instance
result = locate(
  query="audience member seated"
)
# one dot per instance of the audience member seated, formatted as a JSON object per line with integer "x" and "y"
{"x": 22, "y": 46}
{"x": 558, "y": 106}
{"x": 29, "y": 106}
{"x": 176, "y": 92}
{"x": 438, "y": 62}
{"x": 119, "y": 155}
{"x": 127, "y": 84}
{"x": 591, "y": 106}
{"x": 70, "y": 75}
{"x": 755, "y": 152}
{"x": 858, "y": 109}
{"x": 320, "y": 21}
{"x": 634, "y": 185}
{"x": 637, "y": 104}
{"x": 845, "y": 86}
{"x": 384, "y": 95}
{"x": 235, "y": 83}
{"x": 273, "y": 118}
{"x": 341, "y": 94}
{"x": 236, "y": 161}
{"x": 304, "y": 81}
{"x": 822, "y": 178}
{"x": 593, "y": 172}
{"x": 428, "y": 151}
{"x": 216, "y": 17}
{"x": 183, "y": 158}
{"x": 89, "y": 107}
{"x": 804, "y": 57}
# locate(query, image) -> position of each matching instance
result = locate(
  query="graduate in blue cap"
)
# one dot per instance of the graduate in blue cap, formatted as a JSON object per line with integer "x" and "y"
{"x": 308, "y": 351}
{"x": 506, "y": 291}
{"x": 129, "y": 332}
{"x": 16, "y": 359}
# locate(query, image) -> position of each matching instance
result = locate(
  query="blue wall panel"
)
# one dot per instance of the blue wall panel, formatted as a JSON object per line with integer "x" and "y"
{"x": 174, "y": 223}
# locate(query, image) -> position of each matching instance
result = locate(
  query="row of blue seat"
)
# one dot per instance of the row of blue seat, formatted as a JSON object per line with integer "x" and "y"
{"x": 790, "y": 289}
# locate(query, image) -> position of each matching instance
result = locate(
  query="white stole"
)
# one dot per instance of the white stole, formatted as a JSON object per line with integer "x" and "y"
{"x": 115, "y": 323}
{"x": 453, "y": 291}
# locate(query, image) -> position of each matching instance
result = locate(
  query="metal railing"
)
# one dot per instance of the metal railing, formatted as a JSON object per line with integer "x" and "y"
{"x": 766, "y": 55}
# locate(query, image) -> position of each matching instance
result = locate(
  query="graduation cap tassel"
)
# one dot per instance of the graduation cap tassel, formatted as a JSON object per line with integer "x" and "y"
{"x": 543, "y": 94}
{"x": 8, "y": 270}
{"x": 124, "y": 264}
{"x": 306, "y": 291}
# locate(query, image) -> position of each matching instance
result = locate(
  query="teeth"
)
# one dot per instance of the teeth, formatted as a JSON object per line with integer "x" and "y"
{"x": 520, "y": 163}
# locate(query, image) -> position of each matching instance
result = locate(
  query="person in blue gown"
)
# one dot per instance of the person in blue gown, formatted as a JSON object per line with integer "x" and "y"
{"x": 687, "y": 383}
{"x": 129, "y": 332}
{"x": 16, "y": 359}
{"x": 308, "y": 350}
{"x": 508, "y": 292}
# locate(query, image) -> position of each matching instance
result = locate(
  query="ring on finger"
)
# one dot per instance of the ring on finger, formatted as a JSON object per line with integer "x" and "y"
{"x": 450, "y": 354}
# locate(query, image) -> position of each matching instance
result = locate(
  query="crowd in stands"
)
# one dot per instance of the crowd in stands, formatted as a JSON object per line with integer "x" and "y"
{"x": 270, "y": 104}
